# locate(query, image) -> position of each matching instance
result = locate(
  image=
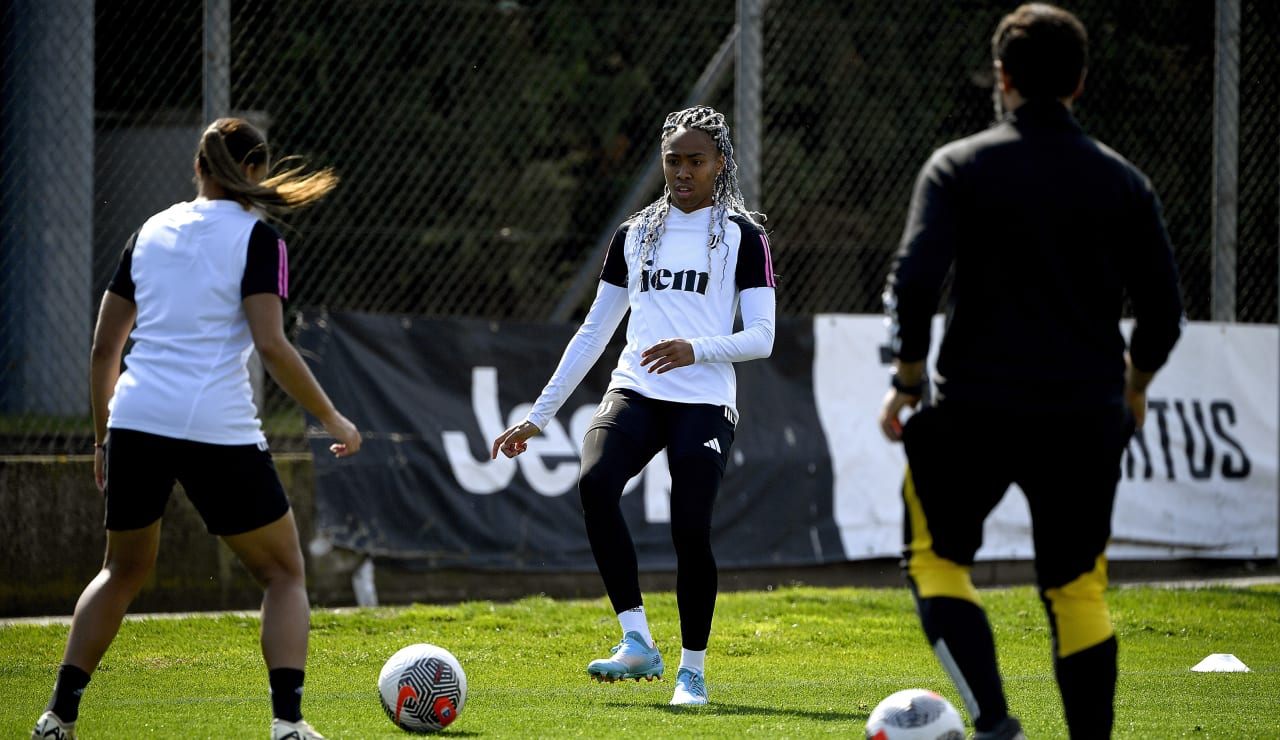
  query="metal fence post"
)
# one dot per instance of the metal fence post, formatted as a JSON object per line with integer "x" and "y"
{"x": 47, "y": 244}
{"x": 746, "y": 118}
{"x": 217, "y": 59}
{"x": 1226, "y": 145}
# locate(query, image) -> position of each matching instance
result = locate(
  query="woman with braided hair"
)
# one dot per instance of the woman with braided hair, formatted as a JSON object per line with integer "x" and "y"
{"x": 199, "y": 287}
{"x": 683, "y": 266}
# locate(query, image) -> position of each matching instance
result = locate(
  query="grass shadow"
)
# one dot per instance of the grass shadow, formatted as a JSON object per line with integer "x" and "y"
{"x": 748, "y": 710}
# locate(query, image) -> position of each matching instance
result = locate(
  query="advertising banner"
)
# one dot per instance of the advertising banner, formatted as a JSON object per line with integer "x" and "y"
{"x": 1199, "y": 480}
{"x": 810, "y": 478}
{"x": 430, "y": 396}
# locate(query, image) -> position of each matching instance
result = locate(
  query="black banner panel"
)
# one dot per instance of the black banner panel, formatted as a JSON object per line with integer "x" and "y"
{"x": 431, "y": 395}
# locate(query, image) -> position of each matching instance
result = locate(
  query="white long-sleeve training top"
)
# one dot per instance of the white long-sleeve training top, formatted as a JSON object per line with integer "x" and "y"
{"x": 683, "y": 290}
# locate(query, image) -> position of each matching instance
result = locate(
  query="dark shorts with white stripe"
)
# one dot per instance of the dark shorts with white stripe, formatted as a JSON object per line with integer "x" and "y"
{"x": 235, "y": 488}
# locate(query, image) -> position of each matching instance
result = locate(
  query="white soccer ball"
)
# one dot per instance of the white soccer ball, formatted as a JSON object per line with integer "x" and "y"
{"x": 915, "y": 714}
{"x": 423, "y": 688}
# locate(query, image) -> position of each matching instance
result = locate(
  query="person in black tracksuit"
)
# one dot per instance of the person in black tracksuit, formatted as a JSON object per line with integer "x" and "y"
{"x": 1048, "y": 233}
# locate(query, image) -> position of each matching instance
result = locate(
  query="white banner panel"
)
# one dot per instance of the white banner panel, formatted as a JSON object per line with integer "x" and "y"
{"x": 1200, "y": 480}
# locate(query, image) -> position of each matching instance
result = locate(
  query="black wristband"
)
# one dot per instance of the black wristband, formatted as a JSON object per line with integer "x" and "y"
{"x": 916, "y": 389}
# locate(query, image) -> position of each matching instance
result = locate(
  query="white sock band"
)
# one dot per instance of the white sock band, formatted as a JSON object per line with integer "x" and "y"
{"x": 634, "y": 620}
{"x": 695, "y": 659}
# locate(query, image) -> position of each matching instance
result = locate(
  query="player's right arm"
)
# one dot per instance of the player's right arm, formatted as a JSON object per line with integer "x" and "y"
{"x": 582, "y": 353}
{"x": 115, "y": 320}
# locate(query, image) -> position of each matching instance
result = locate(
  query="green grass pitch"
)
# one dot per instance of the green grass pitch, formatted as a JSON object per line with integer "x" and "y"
{"x": 794, "y": 662}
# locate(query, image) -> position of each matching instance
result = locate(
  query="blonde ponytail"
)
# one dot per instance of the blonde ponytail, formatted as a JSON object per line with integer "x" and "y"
{"x": 228, "y": 144}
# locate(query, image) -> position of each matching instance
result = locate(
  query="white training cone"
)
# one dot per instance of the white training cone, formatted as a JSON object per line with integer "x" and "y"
{"x": 1221, "y": 663}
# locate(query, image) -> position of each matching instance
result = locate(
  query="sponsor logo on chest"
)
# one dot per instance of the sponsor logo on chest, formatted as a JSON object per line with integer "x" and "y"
{"x": 692, "y": 281}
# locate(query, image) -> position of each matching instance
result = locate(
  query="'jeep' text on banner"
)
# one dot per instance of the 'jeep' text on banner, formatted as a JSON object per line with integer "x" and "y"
{"x": 430, "y": 396}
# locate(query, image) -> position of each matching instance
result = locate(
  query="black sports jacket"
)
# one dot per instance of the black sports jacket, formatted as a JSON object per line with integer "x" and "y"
{"x": 1048, "y": 231}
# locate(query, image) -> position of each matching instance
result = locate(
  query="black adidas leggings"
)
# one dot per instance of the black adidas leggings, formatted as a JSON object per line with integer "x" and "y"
{"x": 626, "y": 433}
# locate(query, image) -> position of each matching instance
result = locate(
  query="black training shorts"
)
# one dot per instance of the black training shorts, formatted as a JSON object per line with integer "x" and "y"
{"x": 234, "y": 487}
{"x": 683, "y": 429}
{"x": 963, "y": 459}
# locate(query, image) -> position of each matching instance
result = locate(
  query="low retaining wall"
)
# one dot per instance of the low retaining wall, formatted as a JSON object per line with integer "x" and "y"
{"x": 52, "y": 542}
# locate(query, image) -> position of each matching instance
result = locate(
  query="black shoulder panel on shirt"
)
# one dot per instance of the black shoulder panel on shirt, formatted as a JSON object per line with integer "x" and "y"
{"x": 266, "y": 270}
{"x": 614, "y": 269}
{"x": 755, "y": 263}
{"x": 744, "y": 223}
{"x": 122, "y": 281}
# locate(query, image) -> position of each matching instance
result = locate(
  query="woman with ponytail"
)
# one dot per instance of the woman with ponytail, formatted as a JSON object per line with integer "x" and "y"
{"x": 199, "y": 287}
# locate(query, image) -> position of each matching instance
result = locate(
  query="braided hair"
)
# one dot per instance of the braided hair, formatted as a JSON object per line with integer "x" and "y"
{"x": 650, "y": 221}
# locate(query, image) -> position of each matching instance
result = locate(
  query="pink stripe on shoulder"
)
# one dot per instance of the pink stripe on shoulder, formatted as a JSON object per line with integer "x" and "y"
{"x": 768, "y": 262}
{"x": 282, "y": 272}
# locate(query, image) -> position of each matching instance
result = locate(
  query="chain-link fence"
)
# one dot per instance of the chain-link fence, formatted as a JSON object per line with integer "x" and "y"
{"x": 488, "y": 148}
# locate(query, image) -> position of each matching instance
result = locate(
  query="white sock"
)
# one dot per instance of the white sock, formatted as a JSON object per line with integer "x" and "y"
{"x": 695, "y": 659}
{"x": 633, "y": 620}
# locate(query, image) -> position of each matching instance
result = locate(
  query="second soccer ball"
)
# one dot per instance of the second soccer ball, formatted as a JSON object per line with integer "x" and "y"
{"x": 915, "y": 714}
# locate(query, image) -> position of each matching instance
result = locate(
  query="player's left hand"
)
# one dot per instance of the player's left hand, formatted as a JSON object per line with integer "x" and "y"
{"x": 668, "y": 354}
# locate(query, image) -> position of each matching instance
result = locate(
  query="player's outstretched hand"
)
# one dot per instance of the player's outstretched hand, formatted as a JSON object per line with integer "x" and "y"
{"x": 515, "y": 440}
{"x": 341, "y": 428}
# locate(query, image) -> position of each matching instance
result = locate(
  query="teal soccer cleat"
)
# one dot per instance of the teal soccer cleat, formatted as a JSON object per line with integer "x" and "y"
{"x": 691, "y": 689}
{"x": 632, "y": 658}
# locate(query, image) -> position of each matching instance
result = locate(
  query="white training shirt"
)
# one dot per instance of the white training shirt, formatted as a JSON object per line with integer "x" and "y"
{"x": 684, "y": 291}
{"x": 188, "y": 269}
